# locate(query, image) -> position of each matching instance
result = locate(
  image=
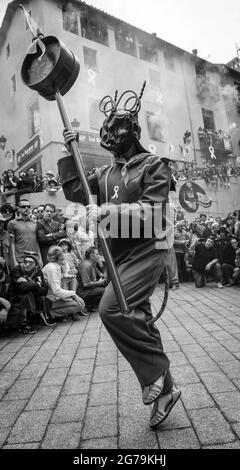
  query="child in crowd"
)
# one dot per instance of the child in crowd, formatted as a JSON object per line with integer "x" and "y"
{"x": 69, "y": 280}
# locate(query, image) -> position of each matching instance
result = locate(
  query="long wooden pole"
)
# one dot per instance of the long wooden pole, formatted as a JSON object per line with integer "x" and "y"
{"x": 89, "y": 197}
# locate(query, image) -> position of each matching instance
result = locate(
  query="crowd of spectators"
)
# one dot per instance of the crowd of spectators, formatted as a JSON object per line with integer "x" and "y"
{"x": 50, "y": 267}
{"x": 211, "y": 173}
{"x": 206, "y": 249}
{"x": 27, "y": 182}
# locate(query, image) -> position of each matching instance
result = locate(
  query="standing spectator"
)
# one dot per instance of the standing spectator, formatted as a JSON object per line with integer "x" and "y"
{"x": 65, "y": 302}
{"x": 4, "y": 246}
{"x": 206, "y": 263}
{"x": 70, "y": 279}
{"x": 38, "y": 188}
{"x": 230, "y": 274}
{"x": 48, "y": 231}
{"x": 10, "y": 183}
{"x": 22, "y": 232}
{"x": 85, "y": 235}
{"x": 91, "y": 281}
{"x": 40, "y": 211}
{"x": 181, "y": 240}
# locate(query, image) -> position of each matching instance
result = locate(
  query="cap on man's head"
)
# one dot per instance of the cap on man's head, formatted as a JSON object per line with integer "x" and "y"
{"x": 33, "y": 255}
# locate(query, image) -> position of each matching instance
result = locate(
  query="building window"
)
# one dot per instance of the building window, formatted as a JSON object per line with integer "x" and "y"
{"x": 208, "y": 119}
{"x": 169, "y": 59}
{"x": 13, "y": 84}
{"x": 200, "y": 71}
{"x": 154, "y": 77}
{"x": 90, "y": 58}
{"x": 156, "y": 126}
{"x": 95, "y": 116}
{"x": 8, "y": 51}
{"x": 33, "y": 113}
{"x": 148, "y": 52}
{"x": 94, "y": 28}
{"x": 125, "y": 41}
{"x": 70, "y": 19}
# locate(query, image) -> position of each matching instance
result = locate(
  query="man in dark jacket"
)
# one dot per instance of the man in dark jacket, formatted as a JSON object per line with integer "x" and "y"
{"x": 28, "y": 290}
{"x": 128, "y": 191}
{"x": 206, "y": 263}
{"x": 49, "y": 231}
{"x": 229, "y": 268}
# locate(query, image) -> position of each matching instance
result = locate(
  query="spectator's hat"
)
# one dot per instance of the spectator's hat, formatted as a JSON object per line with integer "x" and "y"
{"x": 6, "y": 207}
{"x": 65, "y": 240}
{"x": 52, "y": 180}
{"x": 33, "y": 255}
{"x": 49, "y": 173}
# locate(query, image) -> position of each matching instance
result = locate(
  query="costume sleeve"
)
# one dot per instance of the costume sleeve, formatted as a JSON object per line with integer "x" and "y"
{"x": 71, "y": 184}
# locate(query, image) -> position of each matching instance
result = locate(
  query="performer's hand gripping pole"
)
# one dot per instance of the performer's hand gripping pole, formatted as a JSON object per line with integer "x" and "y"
{"x": 82, "y": 175}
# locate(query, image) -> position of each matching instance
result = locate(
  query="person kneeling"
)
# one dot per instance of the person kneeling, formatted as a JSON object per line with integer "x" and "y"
{"x": 91, "y": 281}
{"x": 65, "y": 302}
{"x": 206, "y": 264}
{"x": 28, "y": 291}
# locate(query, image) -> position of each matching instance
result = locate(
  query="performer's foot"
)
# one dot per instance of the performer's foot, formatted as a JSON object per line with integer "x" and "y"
{"x": 151, "y": 392}
{"x": 162, "y": 407}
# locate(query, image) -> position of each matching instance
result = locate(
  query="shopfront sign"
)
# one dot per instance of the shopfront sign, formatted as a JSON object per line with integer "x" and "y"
{"x": 29, "y": 151}
{"x": 89, "y": 138}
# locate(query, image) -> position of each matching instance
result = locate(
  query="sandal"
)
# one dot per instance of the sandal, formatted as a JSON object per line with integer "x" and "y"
{"x": 151, "y": 392}
{"x": 159, "y": 415}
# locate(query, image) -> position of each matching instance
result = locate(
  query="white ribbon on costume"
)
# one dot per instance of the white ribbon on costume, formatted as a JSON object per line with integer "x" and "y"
{"x": 116, "y": 189}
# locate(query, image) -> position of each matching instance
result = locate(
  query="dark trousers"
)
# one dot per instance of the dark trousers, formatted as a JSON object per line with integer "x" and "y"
{"x": 227, "y": 270}
{"x": 182, "y": 272}
{"x": 93, "y": 296}
{"x": 201, "y": 277}
{"x": 138, "y": 342}
{"x": 229, "y": 273}
{"x": 173, "y": 268}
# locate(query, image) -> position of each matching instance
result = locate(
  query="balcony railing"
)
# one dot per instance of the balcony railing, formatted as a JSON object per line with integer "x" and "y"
{"x": 219, "y": 140}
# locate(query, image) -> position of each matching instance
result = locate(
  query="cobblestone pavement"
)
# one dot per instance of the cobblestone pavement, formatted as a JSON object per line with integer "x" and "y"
{"x": 67, "y": 387}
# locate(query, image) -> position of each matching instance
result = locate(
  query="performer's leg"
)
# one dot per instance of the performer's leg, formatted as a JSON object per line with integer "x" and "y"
{"x": 139, "y": 342}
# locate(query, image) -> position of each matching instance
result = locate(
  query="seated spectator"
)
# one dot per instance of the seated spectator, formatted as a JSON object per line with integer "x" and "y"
{"x": 70, "y": 277}
{"x": 11, "y": 316}
{"x": 229, "y": 269}
{"x": 38, "y": 188}
{"x": 52, "y": 186}
{"x": 48, "y": 231}
{"x": 28, "y": 290}
{"x": 206, "y": 263}
{"x": 25, "y": 183}
{"x": 10, "y": 183}
{"x": 91, "y": 281}
{"x": 65, "y": 303}
{"x": 8, "y": 213}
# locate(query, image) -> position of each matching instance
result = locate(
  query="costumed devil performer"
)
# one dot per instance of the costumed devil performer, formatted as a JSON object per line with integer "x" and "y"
{"x": 131, "y": 188}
